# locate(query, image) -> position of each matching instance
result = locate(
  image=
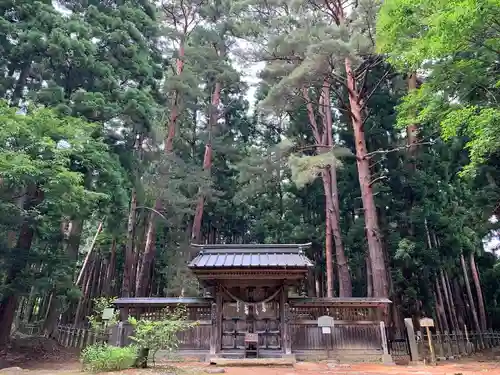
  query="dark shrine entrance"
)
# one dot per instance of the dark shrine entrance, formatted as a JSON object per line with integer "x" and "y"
{"x": 250, "y": 286}
{"x": 251, "y": 310}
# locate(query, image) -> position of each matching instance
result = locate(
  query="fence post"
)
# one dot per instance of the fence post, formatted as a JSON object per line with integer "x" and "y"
{"x": 66, "y": 337}
{"x": 116, "y": 336}
{"x": 462, "y": 349}
{"x": 412, "y": 341}
{"x": 386, "y": 357}
{"x": 439, "y": 347}
{"x": 446, "y": 344}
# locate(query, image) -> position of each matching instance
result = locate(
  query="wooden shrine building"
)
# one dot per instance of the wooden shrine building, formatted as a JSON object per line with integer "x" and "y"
{"x": 249, "y": 305}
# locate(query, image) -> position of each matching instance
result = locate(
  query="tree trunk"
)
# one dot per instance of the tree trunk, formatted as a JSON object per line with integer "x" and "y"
{"x": 454, "y": 311}
{"x": 207, "y": 161}
{"x": 328, "y": 250}
{"x": 449, "y": 302}
{"x": 110, "y": 272}
{"x": 149, "y": 247}
{"x": 128, "y": 267}
{"x": 369, "y": 278}
{"x": 74, "y": 239}
{"x": 441, "y": 308}
{"x": 80, "y": 309}
{"x": 479, "y": 292}
{"x": 50, "y": 323}
{"x": 469, "y": 295}
{"x": 143, "y": 274}
{"x": 461, "y": 313}
{"x": 380, "y": 284}
{"x": 412, "y": 129}
{"x": 9, "y": 301}
{"x": 345, "y": 283}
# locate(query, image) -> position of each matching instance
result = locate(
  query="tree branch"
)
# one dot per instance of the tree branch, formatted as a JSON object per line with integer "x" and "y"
{"x": 397, "y": 149}
{"x": 374, "y": 181}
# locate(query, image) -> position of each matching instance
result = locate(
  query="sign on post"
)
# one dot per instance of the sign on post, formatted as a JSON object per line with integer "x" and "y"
{"x": 426, "y": 322}
{"x": 108, "y": 313}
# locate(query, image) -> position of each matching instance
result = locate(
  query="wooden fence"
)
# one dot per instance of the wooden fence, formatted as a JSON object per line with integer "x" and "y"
{"x": 453, "y": 345}
{"x": 72, "y": 337}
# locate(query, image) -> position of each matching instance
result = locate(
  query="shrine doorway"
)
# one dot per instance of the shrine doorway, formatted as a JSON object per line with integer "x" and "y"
{"x": 251, "y": 310}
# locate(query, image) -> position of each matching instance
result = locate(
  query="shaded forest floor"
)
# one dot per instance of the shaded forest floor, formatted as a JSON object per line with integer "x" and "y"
{"x": 38, "y": 356}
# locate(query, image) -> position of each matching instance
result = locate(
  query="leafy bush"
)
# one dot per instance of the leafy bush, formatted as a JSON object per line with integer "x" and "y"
{"x": 103, "y": 357}
{"x": 160, "y": 335}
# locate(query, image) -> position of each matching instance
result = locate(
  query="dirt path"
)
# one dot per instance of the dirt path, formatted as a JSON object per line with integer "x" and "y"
{"x": 467, "y": 367}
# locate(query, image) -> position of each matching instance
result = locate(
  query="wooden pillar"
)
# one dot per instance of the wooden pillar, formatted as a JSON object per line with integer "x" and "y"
{"x": 284, "y": 319}
{"x": 213, "y": 332}
{"x": 216, "y": 332}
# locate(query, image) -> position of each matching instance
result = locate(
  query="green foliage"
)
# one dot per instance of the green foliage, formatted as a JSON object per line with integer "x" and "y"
{"x": 456, "y": 43}
{"x": 103, "y": 357}
{"x": 160, "y": 334}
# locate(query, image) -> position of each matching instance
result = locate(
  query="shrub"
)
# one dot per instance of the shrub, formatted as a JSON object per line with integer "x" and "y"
{"x": 103, "y": 357}
{"x": 152, "y": 336}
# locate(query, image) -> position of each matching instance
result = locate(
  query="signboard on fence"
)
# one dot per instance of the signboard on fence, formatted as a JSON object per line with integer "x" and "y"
{"x": 108, "y": 313}
{"x": 426, "y": 322}
{"x": 326, "y": 324}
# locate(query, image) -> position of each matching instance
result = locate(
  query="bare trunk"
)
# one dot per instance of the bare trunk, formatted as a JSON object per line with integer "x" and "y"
{"x": 110, "y": 272}
{"x": 143, "y": 274}
{"x": 412, "y": 129}
{"x": 461, "y": 313}
{"x": 149, "y": 247}
{"x": 128, "y": 268}
{"x": 454, "y": 311}
{"x": 380, "y": 284}
{"x": 207, "y": 162}
{"x": 74, "y": 238}
{"x": 89, "y": 253}
{"x": 449, "y": 302}
{"x": 345, "y": 283}
{"x": 469, "y": 295}
{"x": 479, "y": 292}
{"x": 441, "y": 309}
{"x": 369, "y": 278}
{"x": 50, "y": 323}
{"x": 328, "y": 251}
{"x": 87, "y": 280}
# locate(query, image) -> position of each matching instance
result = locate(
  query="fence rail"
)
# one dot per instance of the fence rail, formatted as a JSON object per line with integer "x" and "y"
{"x": 73, "y": 337}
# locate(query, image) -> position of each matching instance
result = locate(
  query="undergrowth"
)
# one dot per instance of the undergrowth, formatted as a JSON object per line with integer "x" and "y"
{"x": 103, "y": 357}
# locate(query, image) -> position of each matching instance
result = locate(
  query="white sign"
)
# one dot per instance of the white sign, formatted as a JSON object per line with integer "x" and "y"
{"x": 108, "y": 313}
{"x": 325, "y": 321}
{"x": 326, "y": 324}
{"x": 426, "y": 322}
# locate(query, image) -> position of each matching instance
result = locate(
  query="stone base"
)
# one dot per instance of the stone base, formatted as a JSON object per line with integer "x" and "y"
{"x": 387, "y": 359}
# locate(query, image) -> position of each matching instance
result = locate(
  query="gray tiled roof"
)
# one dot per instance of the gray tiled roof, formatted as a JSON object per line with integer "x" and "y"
{"x": 258, "y": 256}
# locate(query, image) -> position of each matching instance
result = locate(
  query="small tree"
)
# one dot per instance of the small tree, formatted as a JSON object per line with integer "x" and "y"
{"x": 152, "y": 336}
